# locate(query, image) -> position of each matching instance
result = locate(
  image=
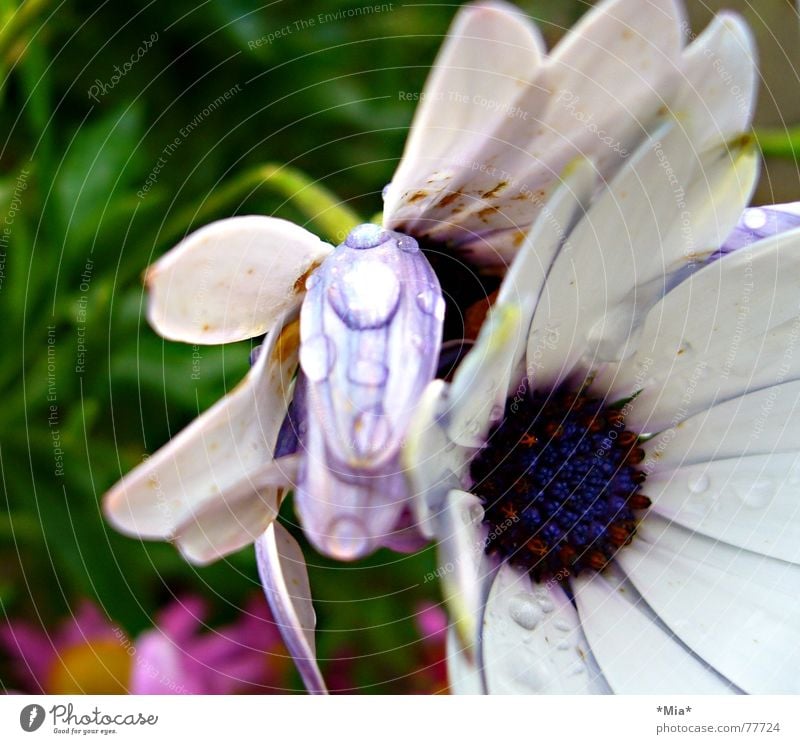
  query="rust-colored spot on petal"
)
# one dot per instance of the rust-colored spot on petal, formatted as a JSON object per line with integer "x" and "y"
{"x": 416, "y": 196}
{"x": 300, "y": 282}
{"x": 494, "y": 191}
{"x": 448, "y": 199}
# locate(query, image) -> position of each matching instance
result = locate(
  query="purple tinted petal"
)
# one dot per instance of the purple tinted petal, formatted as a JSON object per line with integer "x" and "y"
{"x": 293, "y": 426}
{"x": 370, "y": 329}
{"x": 757, "y": 223}
{"x": 284, "y": 578}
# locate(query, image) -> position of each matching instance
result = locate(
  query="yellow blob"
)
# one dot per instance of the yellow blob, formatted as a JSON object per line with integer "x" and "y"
{"x": 101, "y": 667}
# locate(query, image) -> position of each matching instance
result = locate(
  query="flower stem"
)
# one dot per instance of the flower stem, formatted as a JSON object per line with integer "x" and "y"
{"x": 779, "y": 143}
{"x": 331, "y": 218}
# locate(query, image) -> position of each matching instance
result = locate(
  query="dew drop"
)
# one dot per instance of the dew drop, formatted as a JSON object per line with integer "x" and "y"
{"x": 385, "y": 192}
{"x": 407, "y": 244}
{"x": 347, "y": 538}
{"x": 317, "y": 355}
{"x": 366, "y": 236}
{"x": 525, "y": 611}
{"x": 758, "y": 494}
{"x": 563, "y": 645}
{"x": 312, "y": 282}
{"x": 699, "y": 483}
{"x": 431, "y": 302}
{"x": 366, "y": 295}
{"x": 755, "y": 218}
{"x": 562, "y": 625}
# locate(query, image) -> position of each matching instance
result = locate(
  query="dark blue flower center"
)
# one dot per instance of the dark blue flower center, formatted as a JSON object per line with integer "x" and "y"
{"x": 559, "y": 483}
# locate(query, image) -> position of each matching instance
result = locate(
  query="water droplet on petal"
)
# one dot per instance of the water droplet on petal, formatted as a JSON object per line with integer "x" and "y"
{"x": 562, "y": 625}
{"x": 366, "y": 236}
{"x": 563, "y": 645}
{"x": 407, "y": 244}
{"x": 366, "y": 295}
{"x": 756, "y": 495}
{"x": 255, "y": 352}
{"x": 312, "y": 282}
{"x": 385, "y": 191}
{"x": 755, "y": 218}
{"x": 431, "y": 302}
{"x": 317, "y": 355}
{"x": 347, "y": 538}
{"x": 371, "y": 432}
{"x": 699, "y": 483}
{"x": 525, "y": 611}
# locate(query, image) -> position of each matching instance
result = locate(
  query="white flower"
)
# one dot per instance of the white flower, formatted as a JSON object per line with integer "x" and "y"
{"x": 499, "y": 123}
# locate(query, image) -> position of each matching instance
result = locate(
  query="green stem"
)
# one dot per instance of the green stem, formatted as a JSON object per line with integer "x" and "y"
{"x": 16, "y": 23}
{"x": 779, "y": 143}
{"x": 332, "y": 219}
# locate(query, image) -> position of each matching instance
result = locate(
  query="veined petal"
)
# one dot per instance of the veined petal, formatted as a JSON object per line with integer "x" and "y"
{"x": 216, "y": 456}
{"x": 729, "y": 329}
{"x": 231, "y": 280}
{"x": 283, "y": 573}
{"x": 738, "y": 611}
{"x": 431, "y": 460}
{"x": 491, "y": 52}
{"x": 658, "y": 220}
{"x": 760, "y": 423}
{"x": 463, "y": 674}
{"x": 636, "y": 655}
{"x": 463, "y": 565}
{"x": 718, "y": 89}
{"x": 533, "y": 642}
{"x": 749, "y": 502}
{"x": 224, "y": 525}
{"x": 481, "y": 383}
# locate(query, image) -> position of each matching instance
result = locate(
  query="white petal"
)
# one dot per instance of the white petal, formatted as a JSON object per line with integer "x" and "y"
{"x": 759, "y": 423}
{"x": 749, "y": 502}
{"x": 636, "y": 655}
{"x": 231, "y": 280}
{"x": 729, "y": 329}
{"x": 215, "y": 456}
{"x": 532, "y": 640}
{"x": 283, "y": 573}
{"x": 482, "y": 381}
{"x": 597, "y": 97}
{"x": 719, "y": 82}
{"x": 224, "y": 525}
{"x": 491, "y": 52}
{"x": 463, "y": 674}
{"x": 462, "y": 564}
{"x": 523, "y": 284}
{"x": 669, "y": 208}
{"x": 738, "y": 611}
{"x": 432, "y": 461}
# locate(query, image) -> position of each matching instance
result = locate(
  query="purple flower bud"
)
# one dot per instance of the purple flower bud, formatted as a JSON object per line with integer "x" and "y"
{"x": 370, "y": 330}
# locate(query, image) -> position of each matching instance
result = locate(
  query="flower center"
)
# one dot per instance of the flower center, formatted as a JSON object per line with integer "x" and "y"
{"x": 559, "y": 484}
